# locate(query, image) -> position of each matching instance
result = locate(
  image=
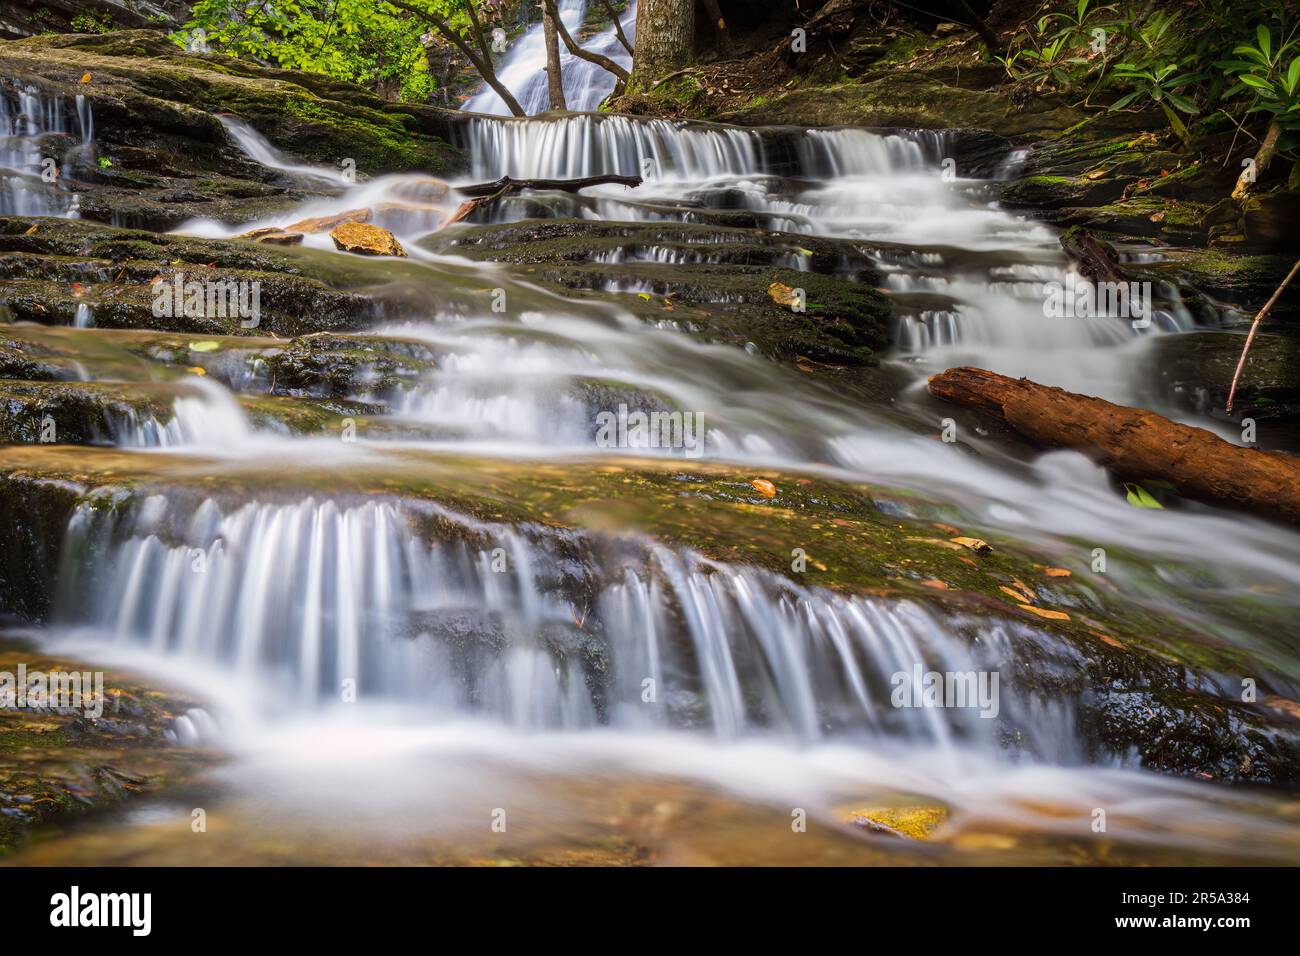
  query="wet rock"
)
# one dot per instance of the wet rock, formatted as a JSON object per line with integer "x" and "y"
{"x": 272, "y": 236}
{"x": 366, "y": 240}
{"x": 328, "y": 223}
{"x": 1197, "y": 369}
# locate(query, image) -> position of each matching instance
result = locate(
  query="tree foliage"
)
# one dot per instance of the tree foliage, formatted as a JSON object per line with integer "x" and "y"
{"x": 1198, "y": 60}
{"x": 366, "y": 41}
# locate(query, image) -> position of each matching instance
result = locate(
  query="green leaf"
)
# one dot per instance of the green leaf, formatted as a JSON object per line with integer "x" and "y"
{"x": 1256, "y": 82}
{"x": 1141, "y": 498}
{"x": 207, "y": 346}
{"x": 1293, "y": 75}
{"x": 1265, "y": 39}
{"x": 1182, "y": 102}
{"x": 1125, "y": 100}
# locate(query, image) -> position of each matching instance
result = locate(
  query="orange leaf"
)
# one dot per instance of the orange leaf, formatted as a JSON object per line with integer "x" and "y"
{"x": 1057, "y": 572}
{"x": 85, "y": 78}
{"x": 764, "y": 487}
{"x": 1044, "y": 612}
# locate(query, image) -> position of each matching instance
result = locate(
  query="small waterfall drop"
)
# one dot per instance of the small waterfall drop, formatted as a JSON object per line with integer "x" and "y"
{"x": 491, "y": 622}
{"x": 523, "y": 71}
{"x": 39, "y": 135}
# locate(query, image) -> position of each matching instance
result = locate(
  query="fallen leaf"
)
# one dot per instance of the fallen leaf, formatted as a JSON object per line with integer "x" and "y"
{"x": 977, "y": 545}
{"x": 783, "y": 295}
{"x": 936, "y": 584}
{"x": 31, "y": 230}
{"x": 1018, "y": 595}
{"x": 1140, "y": 497}
{"x": 1158, "y": 217}
{"x": 1283, "y": 704}
{"x": 198, "y": 370}
{"x": 207, "y": 346}
{"x": 1106, "y": 639}
{"x": 85, "y": 78}
{"x": 951, "y": 546}
{"x": 1044, "y": 612}
{"x": 1058, "y": 572}
{"x": 764, "y": 487}
{"x": 917, "y": 822}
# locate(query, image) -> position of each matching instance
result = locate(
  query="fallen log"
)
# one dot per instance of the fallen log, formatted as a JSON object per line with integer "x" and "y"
{"x": 1096, "y": 259}
{"x": 1134, "y": 444}
{"x": 485, "y": 193}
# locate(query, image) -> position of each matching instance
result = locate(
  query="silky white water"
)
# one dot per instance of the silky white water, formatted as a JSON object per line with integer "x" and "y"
{"x": 762, "y": 687}
{"x": 523, "y": 69}
{"x": 40, "y": 134}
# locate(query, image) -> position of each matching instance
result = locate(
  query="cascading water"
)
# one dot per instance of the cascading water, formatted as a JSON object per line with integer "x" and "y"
{"x": 297, "y": 599}
{"x": 523, "y": 71}
{"x": 477, "y": 631}
{"x": 36, "y": 142}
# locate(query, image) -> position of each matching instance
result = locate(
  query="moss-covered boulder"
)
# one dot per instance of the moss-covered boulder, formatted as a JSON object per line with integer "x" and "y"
{"x": 160, "y": 155}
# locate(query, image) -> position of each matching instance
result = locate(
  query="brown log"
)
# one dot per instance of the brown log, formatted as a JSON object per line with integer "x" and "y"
{"x": 1096, "y": 259}
{"x": 486, "y": 193}
{"x": 1134, "y": 444}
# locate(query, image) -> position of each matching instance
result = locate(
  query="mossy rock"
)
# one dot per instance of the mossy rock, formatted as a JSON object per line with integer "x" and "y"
{"x": 1139, "y": 680}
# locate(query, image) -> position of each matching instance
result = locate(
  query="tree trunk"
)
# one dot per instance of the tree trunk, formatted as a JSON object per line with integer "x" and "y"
{"x": 1267, "y": 150}
{"x": 665, "y": 38}
{"x": 618, "y": 25}
{"x": 572, "y": 44}
{"x": 976, "y": 23}
{"x": 554, "y": 78}
{"x": 482, "y": 62}
{"x": 720, "y": 24}
{"x": 1134, "y": 444}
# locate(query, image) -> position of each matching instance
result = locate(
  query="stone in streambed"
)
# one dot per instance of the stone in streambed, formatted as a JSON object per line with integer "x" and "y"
{"x": 366, "y": 240}
{"x": 273, "y": 236}
{"x": 327, "y": 223}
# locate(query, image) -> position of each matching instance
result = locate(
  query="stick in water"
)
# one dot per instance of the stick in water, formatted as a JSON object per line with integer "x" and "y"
{"x": 1241, "y": 363}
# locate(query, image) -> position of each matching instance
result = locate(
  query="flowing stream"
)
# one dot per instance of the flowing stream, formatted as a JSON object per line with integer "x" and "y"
{"x": 769, "y": 690}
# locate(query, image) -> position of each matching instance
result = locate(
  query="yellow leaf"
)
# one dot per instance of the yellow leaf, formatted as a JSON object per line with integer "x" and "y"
{"x": 85, "y": 78}
{"x": 764, "y": 487}
{"x": 1044, "y": 612}
{"x": 917, "y": 822}
{"x": 783, "y": 294}
{"x": 975, "y": 544}
{"x": 197, "y": 370}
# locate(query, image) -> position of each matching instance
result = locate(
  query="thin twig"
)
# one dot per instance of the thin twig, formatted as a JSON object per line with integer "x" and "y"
{"x": 1241, "y": 363}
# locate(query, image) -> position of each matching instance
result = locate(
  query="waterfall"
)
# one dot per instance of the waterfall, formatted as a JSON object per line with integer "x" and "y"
{"x": 207, "y": 416}
{"x": 36, "y": 142}
{"x": 259, "y": 149}
{"x": 523, "y": 71}
{"x": 494, "y": 622}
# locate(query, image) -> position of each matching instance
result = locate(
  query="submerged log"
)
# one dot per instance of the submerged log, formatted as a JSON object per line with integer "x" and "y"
{"x": 485, "y": 193}
{"x": 1134, "y": 444}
